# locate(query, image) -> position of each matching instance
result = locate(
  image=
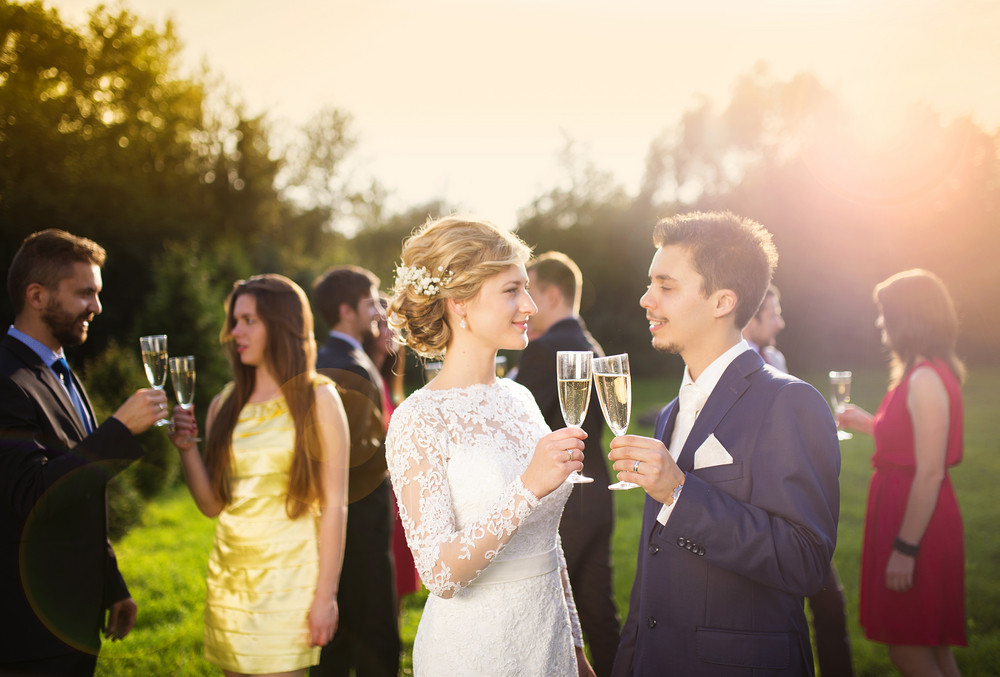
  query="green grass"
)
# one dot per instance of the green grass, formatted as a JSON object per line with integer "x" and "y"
{"x": 164, "y": 560}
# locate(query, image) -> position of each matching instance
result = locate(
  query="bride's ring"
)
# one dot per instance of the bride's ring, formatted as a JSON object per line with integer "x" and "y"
{"x": 570, "y": 452}
{"x": 635, "y": 467}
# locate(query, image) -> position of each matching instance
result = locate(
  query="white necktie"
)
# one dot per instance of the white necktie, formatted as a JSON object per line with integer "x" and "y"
{"x": 690, "y": 401}
{"x": 689, "y": 404}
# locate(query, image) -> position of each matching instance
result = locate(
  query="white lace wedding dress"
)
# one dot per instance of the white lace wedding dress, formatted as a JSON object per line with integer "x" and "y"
{"x": 455, "y": 459}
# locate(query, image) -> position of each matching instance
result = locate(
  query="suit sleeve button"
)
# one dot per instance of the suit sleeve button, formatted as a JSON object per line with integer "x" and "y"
{"x": 680, "y": 542}
{"x": 653, "y": 549}
{"x": 701, "y": 552}
{"x": 652, "y": 622}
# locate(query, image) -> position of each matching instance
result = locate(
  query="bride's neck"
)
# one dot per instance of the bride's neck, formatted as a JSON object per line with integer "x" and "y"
{"x": 465, "y": 366}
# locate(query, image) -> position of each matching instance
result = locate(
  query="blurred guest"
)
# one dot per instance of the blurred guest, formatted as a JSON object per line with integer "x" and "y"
{"x": 390, "y": 359}
{"x": 275, "y": 474}
{"x": 588, "y": 519}
{"x": 764, "y": 327}
{"x": 913, "y": 558}
{"x": 58, "y": 574}
{"x": 368, "y": 637}
{"x": 829, "y": 617}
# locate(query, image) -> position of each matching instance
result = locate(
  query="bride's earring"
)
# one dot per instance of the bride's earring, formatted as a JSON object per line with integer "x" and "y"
{"x": 462, "y": 323}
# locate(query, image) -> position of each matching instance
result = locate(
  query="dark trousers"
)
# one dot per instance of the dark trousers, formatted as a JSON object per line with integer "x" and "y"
{"x": 367, "y": 637}
{"x": 833, "y": 646}
{"x": 588, "y": 560}
{"x": 73, "y": 664}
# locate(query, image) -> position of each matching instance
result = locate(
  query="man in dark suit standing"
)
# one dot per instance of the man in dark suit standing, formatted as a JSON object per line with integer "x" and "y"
{"x": 588, "y": 518}
{"x": 58, "y": 573}
{"x": 367, "y": 639}
{"x": 741, "y": 481}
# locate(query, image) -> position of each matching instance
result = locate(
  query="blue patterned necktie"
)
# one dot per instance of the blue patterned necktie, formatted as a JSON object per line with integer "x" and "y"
{"x": 61, "y": 367}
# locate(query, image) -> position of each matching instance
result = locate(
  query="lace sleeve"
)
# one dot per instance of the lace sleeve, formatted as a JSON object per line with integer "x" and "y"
{"x": 447, "y": 558}
{"x": 574, "y": 617}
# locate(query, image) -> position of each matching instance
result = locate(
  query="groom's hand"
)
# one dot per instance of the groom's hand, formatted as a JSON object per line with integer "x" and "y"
{"x": 656, "y": 471}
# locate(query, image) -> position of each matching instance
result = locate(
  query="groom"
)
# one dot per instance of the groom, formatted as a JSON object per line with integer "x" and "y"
{"x": 742, "y": 488}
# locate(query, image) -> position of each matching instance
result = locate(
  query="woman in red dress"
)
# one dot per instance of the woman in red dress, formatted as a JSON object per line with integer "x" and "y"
{"x": 913, "y": 558}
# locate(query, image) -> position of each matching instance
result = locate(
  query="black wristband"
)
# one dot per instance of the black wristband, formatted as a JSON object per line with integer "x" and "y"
{"x": 907, "y": 549}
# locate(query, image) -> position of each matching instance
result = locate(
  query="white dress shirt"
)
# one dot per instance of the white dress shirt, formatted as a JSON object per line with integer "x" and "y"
{"x": 706, "y": 384}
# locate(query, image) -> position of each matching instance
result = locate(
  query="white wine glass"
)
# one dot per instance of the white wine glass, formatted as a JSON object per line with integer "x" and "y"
{"x": 154, "y": 360}
{"x": 182, "y": 375}
{"x": 614, "y": 390}
{"x": 840, "y": 396}
{"x": 573, "y": 381}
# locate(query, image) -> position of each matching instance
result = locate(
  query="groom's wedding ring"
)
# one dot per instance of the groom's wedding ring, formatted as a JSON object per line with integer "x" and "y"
{"x": 635, "y": 467}
{"x": 570, "y": 452}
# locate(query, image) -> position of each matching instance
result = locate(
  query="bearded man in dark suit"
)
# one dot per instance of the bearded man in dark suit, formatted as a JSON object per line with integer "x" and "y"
{"x": 367, "y": 638}
{"x": 58, "y": 574}
{"x": 588, "y": 519}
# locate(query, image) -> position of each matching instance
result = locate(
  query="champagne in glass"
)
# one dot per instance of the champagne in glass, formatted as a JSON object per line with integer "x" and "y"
{"x": 840, "y": 396}
{"x": 182, "y": 375}
{"x": 573, "y": 381}
{"x": 154, "y": 360}
{"x": 614, "y": 390}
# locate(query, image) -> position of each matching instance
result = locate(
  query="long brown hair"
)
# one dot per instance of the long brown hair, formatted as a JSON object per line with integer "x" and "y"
{"x": 290, "y": 353}
{"x": 919, "y": 319}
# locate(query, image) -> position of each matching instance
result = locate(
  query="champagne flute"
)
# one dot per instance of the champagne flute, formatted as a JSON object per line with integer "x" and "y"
{"x": 840, "y": 396}
{"x": 154, "y": 360}
{"x": 573, "y": 381}
{"x": 614, "y": 390}
{"x": 182, "y": 375}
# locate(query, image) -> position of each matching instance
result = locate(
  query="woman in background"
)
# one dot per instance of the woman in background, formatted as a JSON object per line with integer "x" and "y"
{"x": 275, "y": 474}
{"x": 913, "y": 558}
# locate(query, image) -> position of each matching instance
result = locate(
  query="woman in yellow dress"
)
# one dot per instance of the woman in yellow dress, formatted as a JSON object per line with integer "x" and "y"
{"x": 275, "y": 474}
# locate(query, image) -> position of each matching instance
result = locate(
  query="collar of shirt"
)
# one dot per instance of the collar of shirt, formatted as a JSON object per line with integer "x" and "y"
{"x": 710, "y": 377}
{"x": 45, "y": 354}
{"x": 346, "y": 337}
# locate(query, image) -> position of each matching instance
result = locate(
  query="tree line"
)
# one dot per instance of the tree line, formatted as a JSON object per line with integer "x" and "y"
{"x": 102, "y": 135}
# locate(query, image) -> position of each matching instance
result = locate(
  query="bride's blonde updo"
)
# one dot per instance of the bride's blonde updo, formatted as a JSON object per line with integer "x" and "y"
{"x": 447, "y": 258}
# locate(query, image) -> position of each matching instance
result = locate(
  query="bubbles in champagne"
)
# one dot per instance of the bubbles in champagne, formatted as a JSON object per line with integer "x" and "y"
{"x": 615, "y": 393}
{"x": 155, "y": 363}
{"x": 574, "y": 399}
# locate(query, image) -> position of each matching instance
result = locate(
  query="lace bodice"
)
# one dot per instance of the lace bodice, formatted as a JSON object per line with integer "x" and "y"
{"x": 455, "y": 457}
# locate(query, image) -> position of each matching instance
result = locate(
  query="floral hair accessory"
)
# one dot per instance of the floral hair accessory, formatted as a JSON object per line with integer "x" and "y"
{"x": 420, "y": 280}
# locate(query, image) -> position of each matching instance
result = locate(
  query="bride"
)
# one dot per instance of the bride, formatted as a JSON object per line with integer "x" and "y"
{"x": 478, "y": 476}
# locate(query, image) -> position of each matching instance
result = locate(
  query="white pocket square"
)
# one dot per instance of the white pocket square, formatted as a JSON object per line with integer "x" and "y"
{"x": 711, "y": 453}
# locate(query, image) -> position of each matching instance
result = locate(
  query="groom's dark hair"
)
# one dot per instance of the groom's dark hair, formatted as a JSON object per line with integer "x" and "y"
{"x": 728, "y": 251}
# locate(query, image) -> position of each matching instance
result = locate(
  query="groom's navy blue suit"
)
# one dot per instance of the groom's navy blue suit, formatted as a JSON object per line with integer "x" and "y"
{"x": 719, "y": 589}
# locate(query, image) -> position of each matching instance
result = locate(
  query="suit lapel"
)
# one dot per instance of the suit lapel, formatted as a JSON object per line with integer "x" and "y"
{"x": 734, "y": 382}
{"x": 51, "y": 382}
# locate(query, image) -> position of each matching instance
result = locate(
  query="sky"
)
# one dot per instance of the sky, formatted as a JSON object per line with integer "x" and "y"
{"x": 472, "y": 100}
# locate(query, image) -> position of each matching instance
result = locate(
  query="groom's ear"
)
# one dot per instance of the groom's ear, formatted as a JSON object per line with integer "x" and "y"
{"x": 725, "y": 301}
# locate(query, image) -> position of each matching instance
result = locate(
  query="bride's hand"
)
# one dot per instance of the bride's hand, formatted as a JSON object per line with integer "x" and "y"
{"x": 556, "y": 455}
